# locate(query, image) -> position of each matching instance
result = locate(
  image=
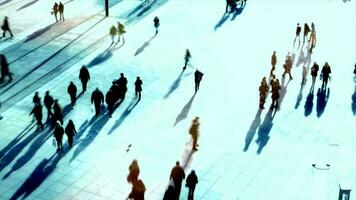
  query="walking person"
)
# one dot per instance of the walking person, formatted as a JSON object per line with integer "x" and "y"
{"x": 177, "y": 174}
{"x": 6, "y": 27}
{"x": 275, "y": 94}
{"x": 186, "y": 58}
{"x": 191, "y": 183}
{"x": 48, "y": 102}
{"x": 156, "y": 24}
{"x": 306, "y": 31}
{"x": 36, "y": 98}
{"x": 55, "y": 11}
{"x": 138, "y": 87}
{"x": 4, "y": 68}
{"x": 312, "y": 38}
{"x": 61, "y": 11}
{"x": 113, "y": 32}
{"x": 297, "y": 34}
{"x": 138, "y": 191}
{"x": 194, "y": 132}
{"x": 72, "y": 91}
{"x": 326, "y": 75}
{"x": 314, "y": 73}
{"x": 57, "y": 112}
{"x": 97, "y": 98}
{"x": 304, "y": 75}
{"x": 287, "y": 67}
{"x": 70, "y": 132}
{"x": 121, "y": 32}
{"x": 84, "y": 77}
{"x": 197, "y": 79}
{"x": 110, "y": 101}
{"x": 273, "y": 63}
{"x": 263, "y": 92}
{"x": 58, "y": 135}
{"x": 37, "y": 113}
{"x": 134, "y": 171}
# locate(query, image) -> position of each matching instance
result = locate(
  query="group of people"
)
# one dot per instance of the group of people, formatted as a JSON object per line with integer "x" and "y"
{"x": 58, "y": 8}
{"x": 324, "y": 75}
{"x": 306, "y": 31}
{"x": 119, "y": 31}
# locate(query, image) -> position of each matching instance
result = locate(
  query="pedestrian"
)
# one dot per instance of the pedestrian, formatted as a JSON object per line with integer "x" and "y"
{"x": 177, "y": 174}
{"x": 97, "y": 98}
{"x": 194, "y": 132}
{"x": 191, "y": 182}
{"x": 113, "y": 32}
{"x": 297, "y": 33}
{"x": 355, "y": 70}
{"x": 84, "y": 77}
{"x": 197, "y": 78}
{"x": 58, "y": 135}
{"x": 275, "y": 94}
{"x": 138, "y": 191}
{"x": 70, "y": 132}
{"x": 36, "y": 98}
{"x": 4, "y": 68}
{"x": 272, "y": 81}
{"x": 61, "y": 11}
{"x": 138, "y": 87}
{"x": 273, "y": 63}
{"x": 6, "y": 27}
{"x": 314, "y": 72}
{"x": 304, "y": 75}
{"x": 326, "y": 74}
{"x": 48, "y": 102}
{"x": 312, "y": 41}
{"x": 170, "y": 193}
{"x": 72, "y": 91}
{"x": 306, "y": 31}
{"x": 263, "y": 92}
{"x": 110, "y": 101}
{"x": 121, "y": 84}
{"x": 288, "y": 66}
{"x": 55, "y": 10}
{"x": 186, "y": 58}
{"x": 156, "y": 24}
{"x": 134, "y": 171}
{"x": 121, "y": 31}
{"x": 37, "y": 113}
{"x": 57, "y": 112}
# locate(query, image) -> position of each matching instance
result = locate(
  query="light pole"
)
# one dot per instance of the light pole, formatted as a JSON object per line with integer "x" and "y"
{"x": 106, "y": 8}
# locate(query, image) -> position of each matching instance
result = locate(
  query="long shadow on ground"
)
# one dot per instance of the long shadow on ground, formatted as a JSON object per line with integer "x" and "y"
{"x": 308, "y": 107}
{"x": 264, "y": 130}
{"x": 146, "y": 44}
{"x": 38, "y": 33}
{"x": 226, "y": 15}
{"x": 184, "y": 113}
{"x": 322, "y": 100}
{"x": 251, "y": 132}
{"x": 27, "y": 5}
{"x": 353, "y": 103}
{"x": 102, "y": 57}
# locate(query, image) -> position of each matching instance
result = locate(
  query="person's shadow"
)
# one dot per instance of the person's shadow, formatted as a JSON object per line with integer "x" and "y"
{"x": 223, "y": 19}
{"x": 308, "y": 107}
{"x": 264, "y": 130}
{"x": 283, "y": 92}
{"x": 322, "y": 100}
{"x": 253, "y": 127}
{"x": 299, "y": 97}
{"x": 27, "y": 5}
{"x": 146, "y": 44}
{"x": 174, "y": 86}
{"x": 184, "y": 113}
{"x": 353, "y": 104}
{"x": 102, "y": 57}
{"x": 124, "y": 115}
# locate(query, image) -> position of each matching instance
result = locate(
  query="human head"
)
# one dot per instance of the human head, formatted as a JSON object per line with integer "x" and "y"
{"x": 122, "y": 74}
{"x": 177, "y": 163}
{"x": 47, "y": 92}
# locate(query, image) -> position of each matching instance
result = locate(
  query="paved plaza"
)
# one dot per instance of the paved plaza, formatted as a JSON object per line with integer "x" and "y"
{"x": 302, "y": 151}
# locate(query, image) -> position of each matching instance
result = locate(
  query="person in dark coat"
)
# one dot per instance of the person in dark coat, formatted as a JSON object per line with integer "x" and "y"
{"x": 55, "y": 10}
{"x": 314, "y": 72}
{"x": 355, "y": 70}
{"x": 197, "y": 78}
{"x": 326, "y": 74}
{"x": 61, "y": 11}
{"x": 4, "y": 68}
{"x": 121, "y": 81}
{"x": 58, "y": 135}
{"x": 70, "y": 132}
{"x": 297, "y": 33}
{"x": 122, "y": 86}
{"x": 138, "y": 87}
{"x": 306, "y": 31}
{"x": 138, "y": 191}
{"x": 110, "y": 101}
{"x": 177, "y": 174}
{"x": 84, "y": 77}
{"x": 48, "y": 102}
{"x": 36, "y": 98}
{"x": 156, "y": 24}
{"x": 169, "y": 194}
{"x": 191, "y": 182}
{"x": 57, "y": 112}
{"x": 134, "y": 171}
{"x": 37, "y": 113}
{"x": 72, "y": 91}
{"x": 6, "y": 27}
{"x": 275, "y": 94}
{"x": 186, "y": 58}
{"x": 273, "y": 63}
{"x": 97, "y": 98}
{"x": 263, "y": 92}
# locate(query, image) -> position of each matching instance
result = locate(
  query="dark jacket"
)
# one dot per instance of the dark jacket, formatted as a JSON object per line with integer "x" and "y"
{"x": 192, "y": 180}
{"x": 84, "y": 74}
{"x": 37, "y": 111}
{"x": 70, "y": 129}
{"x": 58, "y": 133}
{"x": 138, "y": 85}
{"x": 314, "y": 70}
{"x": 4, "y": 65}
{"x": 48, "y": 101}
{"x": 97, "y": 97}
{"x": 72, "y": 89}
{"x": 177, "y": 174}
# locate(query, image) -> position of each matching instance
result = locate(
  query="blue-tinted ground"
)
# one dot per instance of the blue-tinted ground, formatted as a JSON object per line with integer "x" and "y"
{"x": 244, "y": 153}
